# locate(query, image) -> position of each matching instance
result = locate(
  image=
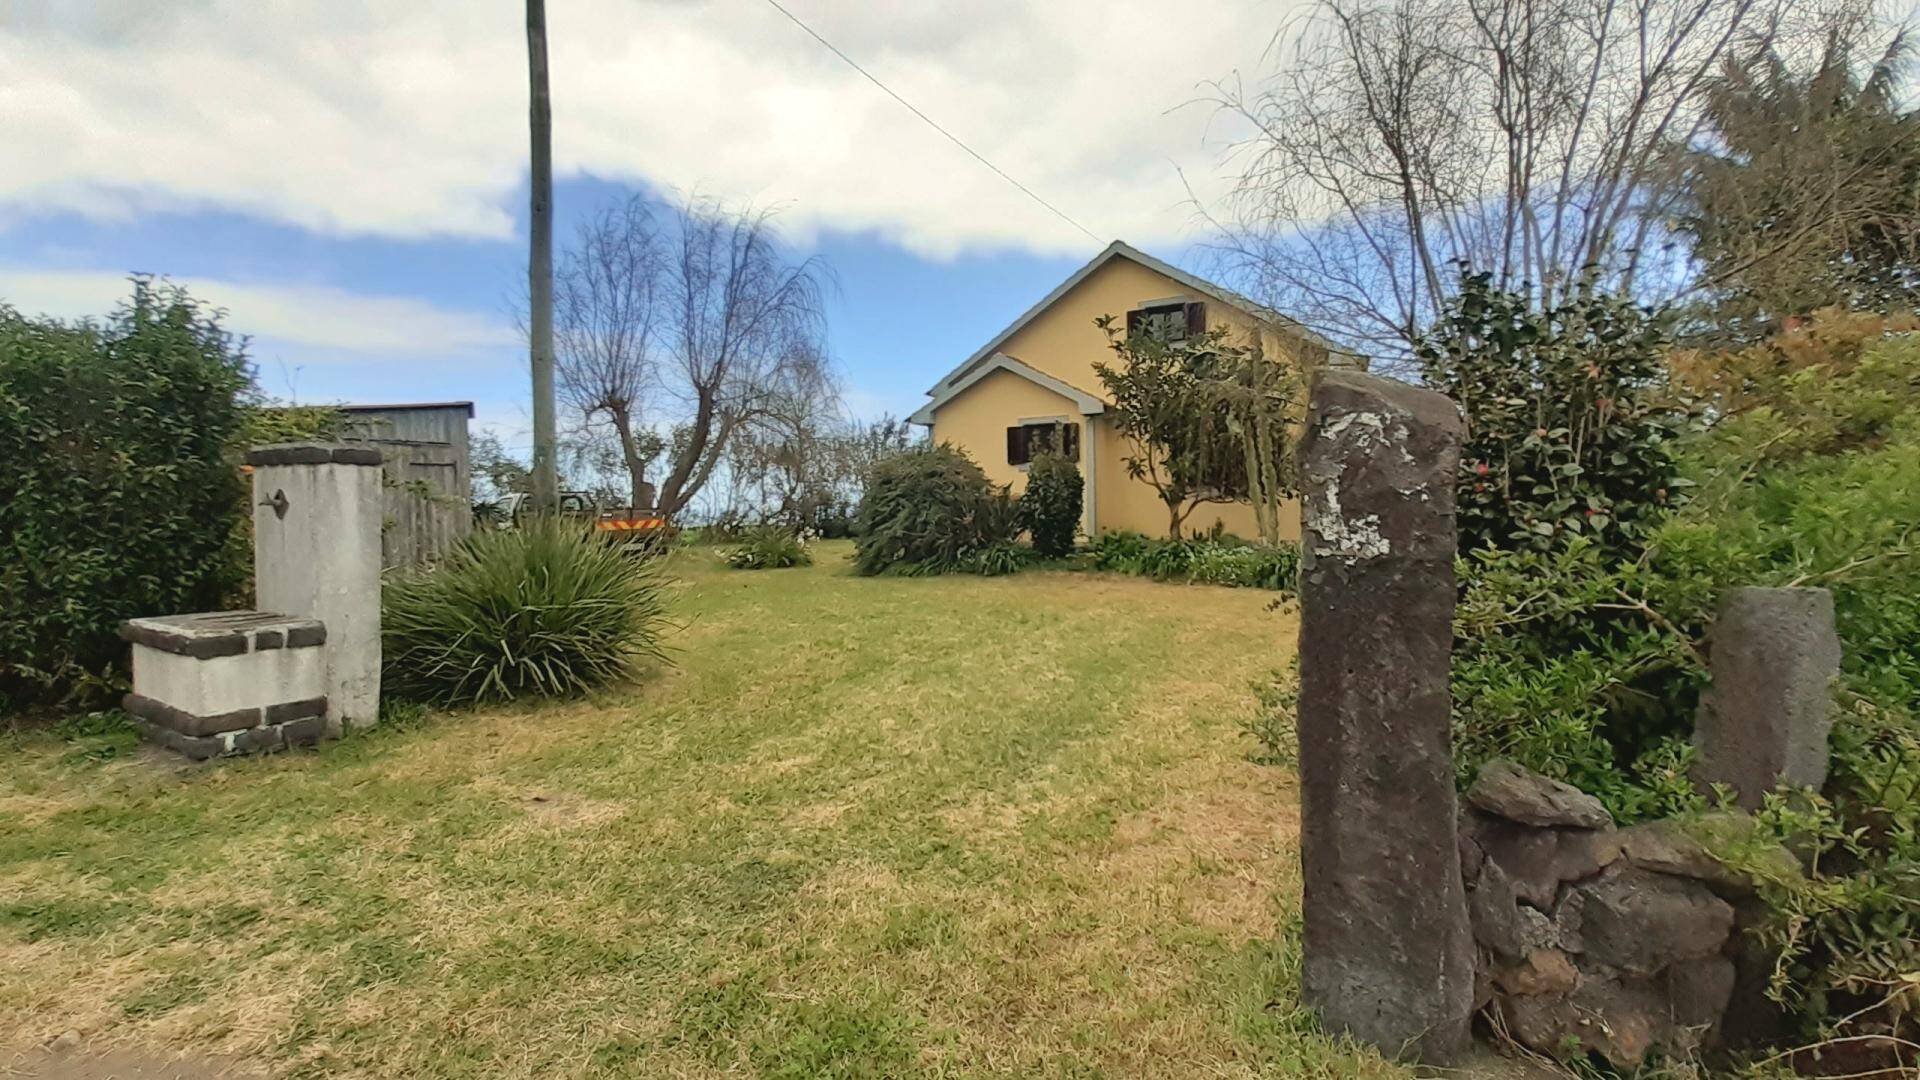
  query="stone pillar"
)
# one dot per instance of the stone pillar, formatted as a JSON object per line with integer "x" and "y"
{"x": 1772, "y": 657}
{"x": 316, "y": 551}
{"x": 1388, "y": 951}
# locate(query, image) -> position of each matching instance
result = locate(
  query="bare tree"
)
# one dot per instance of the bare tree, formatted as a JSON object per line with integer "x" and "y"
{"x": 1521, "y": 137}
{"x": 546, "y": 481}
{"x": 745, "y": 332}
{"x": 606, "y": 311}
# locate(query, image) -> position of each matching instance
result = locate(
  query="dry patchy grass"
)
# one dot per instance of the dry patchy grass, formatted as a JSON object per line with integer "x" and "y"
{"x": 947, "y": 827}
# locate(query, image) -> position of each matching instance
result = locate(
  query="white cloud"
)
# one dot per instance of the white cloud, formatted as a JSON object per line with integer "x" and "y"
{"x": 316, "y": 318}
{"x": 410, "y": 119}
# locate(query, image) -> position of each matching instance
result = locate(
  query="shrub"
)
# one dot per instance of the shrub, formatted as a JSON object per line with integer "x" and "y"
{"x": 119, "y": 493}
{"x": 929, "y": 510}
{"x": 1050, "y": 507}
{"x": 1571, "y": 419}
{"x": 1120, "y": 550}
{"x": 997, "y": 558}
{"x": 1247, "y": 567}
{"x": 1274, "y": 726}
{"x": 769, "y": 547}
{"x": 1216, "y": 561}
{"x": 547, "y": 610}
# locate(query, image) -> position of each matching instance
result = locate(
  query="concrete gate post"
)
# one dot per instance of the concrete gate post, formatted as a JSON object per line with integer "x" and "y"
{"x": 316, "y": 552}
{"x": 1388, "y": 952}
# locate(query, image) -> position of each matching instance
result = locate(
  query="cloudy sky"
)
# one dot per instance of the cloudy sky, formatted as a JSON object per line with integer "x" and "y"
{"x": 348, "y": 177}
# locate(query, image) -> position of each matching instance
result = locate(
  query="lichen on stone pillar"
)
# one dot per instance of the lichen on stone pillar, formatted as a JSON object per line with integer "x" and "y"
{"x": 1388, "y": 953}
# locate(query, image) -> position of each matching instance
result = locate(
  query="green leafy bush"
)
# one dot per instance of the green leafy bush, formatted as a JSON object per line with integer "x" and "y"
{"x": 119, "y": 492}
{"x": 1586, "y": 664}
{"x": 1213, "y": 561}
{"x": 769, "y": 547}
{"x": 546, "y": 610}
{"x": 929, "y": 510}
{"x": 1050, "y": 507}
{"x": 1571, "y": 417}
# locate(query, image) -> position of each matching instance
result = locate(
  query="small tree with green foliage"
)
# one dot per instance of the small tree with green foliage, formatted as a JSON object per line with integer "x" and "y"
{"x": 118, "y": 485}
{"x": 1050, "y": 507}
{"x": 1206, "y": 417}
{"x": 1571, "y": 419}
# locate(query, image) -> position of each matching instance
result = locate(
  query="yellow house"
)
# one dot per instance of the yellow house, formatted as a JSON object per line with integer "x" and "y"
{"x": 1037, "y": 373}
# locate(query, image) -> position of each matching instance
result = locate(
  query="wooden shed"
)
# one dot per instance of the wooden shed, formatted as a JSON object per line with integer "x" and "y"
{"x": 429, "y": 470}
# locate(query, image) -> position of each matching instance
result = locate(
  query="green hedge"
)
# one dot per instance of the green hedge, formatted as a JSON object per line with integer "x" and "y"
{"x": 117, "y": 488}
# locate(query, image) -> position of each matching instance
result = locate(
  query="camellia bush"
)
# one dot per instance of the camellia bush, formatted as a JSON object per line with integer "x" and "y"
{"x": 548, "y": 609}
{"x": 930, "y": 510}
{"x": 1050, "y": 507}
{"x": 1572, "y": 418}
{"x": 119, "y": 489}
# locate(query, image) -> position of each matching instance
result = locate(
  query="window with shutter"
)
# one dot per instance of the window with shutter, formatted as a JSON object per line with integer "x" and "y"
{"x": 1049, "y": 436}
{"x": 1174, "y": 320}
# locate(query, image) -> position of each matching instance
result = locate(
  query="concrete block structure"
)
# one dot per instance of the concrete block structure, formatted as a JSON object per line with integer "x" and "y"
{"x": 317, "y": 519}
{"x": 227, "y": 682}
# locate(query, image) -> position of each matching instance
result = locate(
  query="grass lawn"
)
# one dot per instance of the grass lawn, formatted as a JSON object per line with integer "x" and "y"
{"x": 865, "y": 827}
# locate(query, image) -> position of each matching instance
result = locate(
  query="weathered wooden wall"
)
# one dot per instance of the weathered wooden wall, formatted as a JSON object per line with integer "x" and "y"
{"x": 427, "y": 487}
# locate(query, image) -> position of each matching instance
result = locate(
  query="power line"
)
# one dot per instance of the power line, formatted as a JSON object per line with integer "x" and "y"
{"x": 1061, "y": 214}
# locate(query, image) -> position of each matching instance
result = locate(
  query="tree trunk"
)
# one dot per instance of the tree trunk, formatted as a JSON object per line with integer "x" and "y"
{"x": 546, "y": 479}
{"x": 641, "y": 493}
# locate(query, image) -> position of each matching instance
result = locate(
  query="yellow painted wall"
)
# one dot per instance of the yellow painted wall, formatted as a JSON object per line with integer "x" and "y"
{"x": 1064, "y": 342}
{"x": 977, "y": 422}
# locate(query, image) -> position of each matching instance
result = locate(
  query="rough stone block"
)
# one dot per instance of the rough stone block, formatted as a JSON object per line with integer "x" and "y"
{"x": 1638, "y": 921}
{"x": 1773, "y": 655}
{"x": 1505, "y": 789}
{"x": 1388, "y": 952}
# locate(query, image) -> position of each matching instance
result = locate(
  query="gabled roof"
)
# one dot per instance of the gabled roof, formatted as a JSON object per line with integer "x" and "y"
{"x": 1118, "y": 250}
{"x": 1085, "y": 402}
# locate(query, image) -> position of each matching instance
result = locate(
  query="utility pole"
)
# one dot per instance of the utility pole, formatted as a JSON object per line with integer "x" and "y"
{"x": 546, "y": 480}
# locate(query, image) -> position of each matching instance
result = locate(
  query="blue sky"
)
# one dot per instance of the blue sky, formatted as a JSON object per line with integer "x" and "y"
{"x": 897, "y": 320}
{"x": 349, "y": 180}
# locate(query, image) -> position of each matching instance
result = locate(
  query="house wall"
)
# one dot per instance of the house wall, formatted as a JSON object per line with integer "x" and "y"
{"x": 1064, "y": 342}
{"x": 977, "y": 422}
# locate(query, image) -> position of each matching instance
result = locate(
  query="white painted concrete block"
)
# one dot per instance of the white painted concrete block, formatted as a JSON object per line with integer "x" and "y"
{"x": 317, "y": 517}
{"x": 227, "y": 682}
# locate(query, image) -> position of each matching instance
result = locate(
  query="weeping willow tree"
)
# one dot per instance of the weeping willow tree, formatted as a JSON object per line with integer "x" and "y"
{"x": 1208, "y": 418}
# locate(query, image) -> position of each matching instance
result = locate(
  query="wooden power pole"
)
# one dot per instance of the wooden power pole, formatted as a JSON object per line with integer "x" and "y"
{"x": 546, "y": 480}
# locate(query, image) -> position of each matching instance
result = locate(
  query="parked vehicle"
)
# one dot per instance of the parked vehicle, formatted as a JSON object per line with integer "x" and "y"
{"x": 624, "y": 523}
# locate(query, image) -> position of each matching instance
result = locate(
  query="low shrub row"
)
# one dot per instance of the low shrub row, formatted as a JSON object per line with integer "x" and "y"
{"x": 1222, "y": 560}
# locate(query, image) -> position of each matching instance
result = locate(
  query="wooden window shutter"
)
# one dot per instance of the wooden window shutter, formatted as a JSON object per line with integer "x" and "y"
{"x": 1016, "y": 446}
{"x": 1196, "y": 318}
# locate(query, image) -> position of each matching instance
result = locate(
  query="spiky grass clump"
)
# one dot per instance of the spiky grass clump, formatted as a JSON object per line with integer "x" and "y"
{"x": 547, "y": 610}
{"x": 769, "y": 547}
